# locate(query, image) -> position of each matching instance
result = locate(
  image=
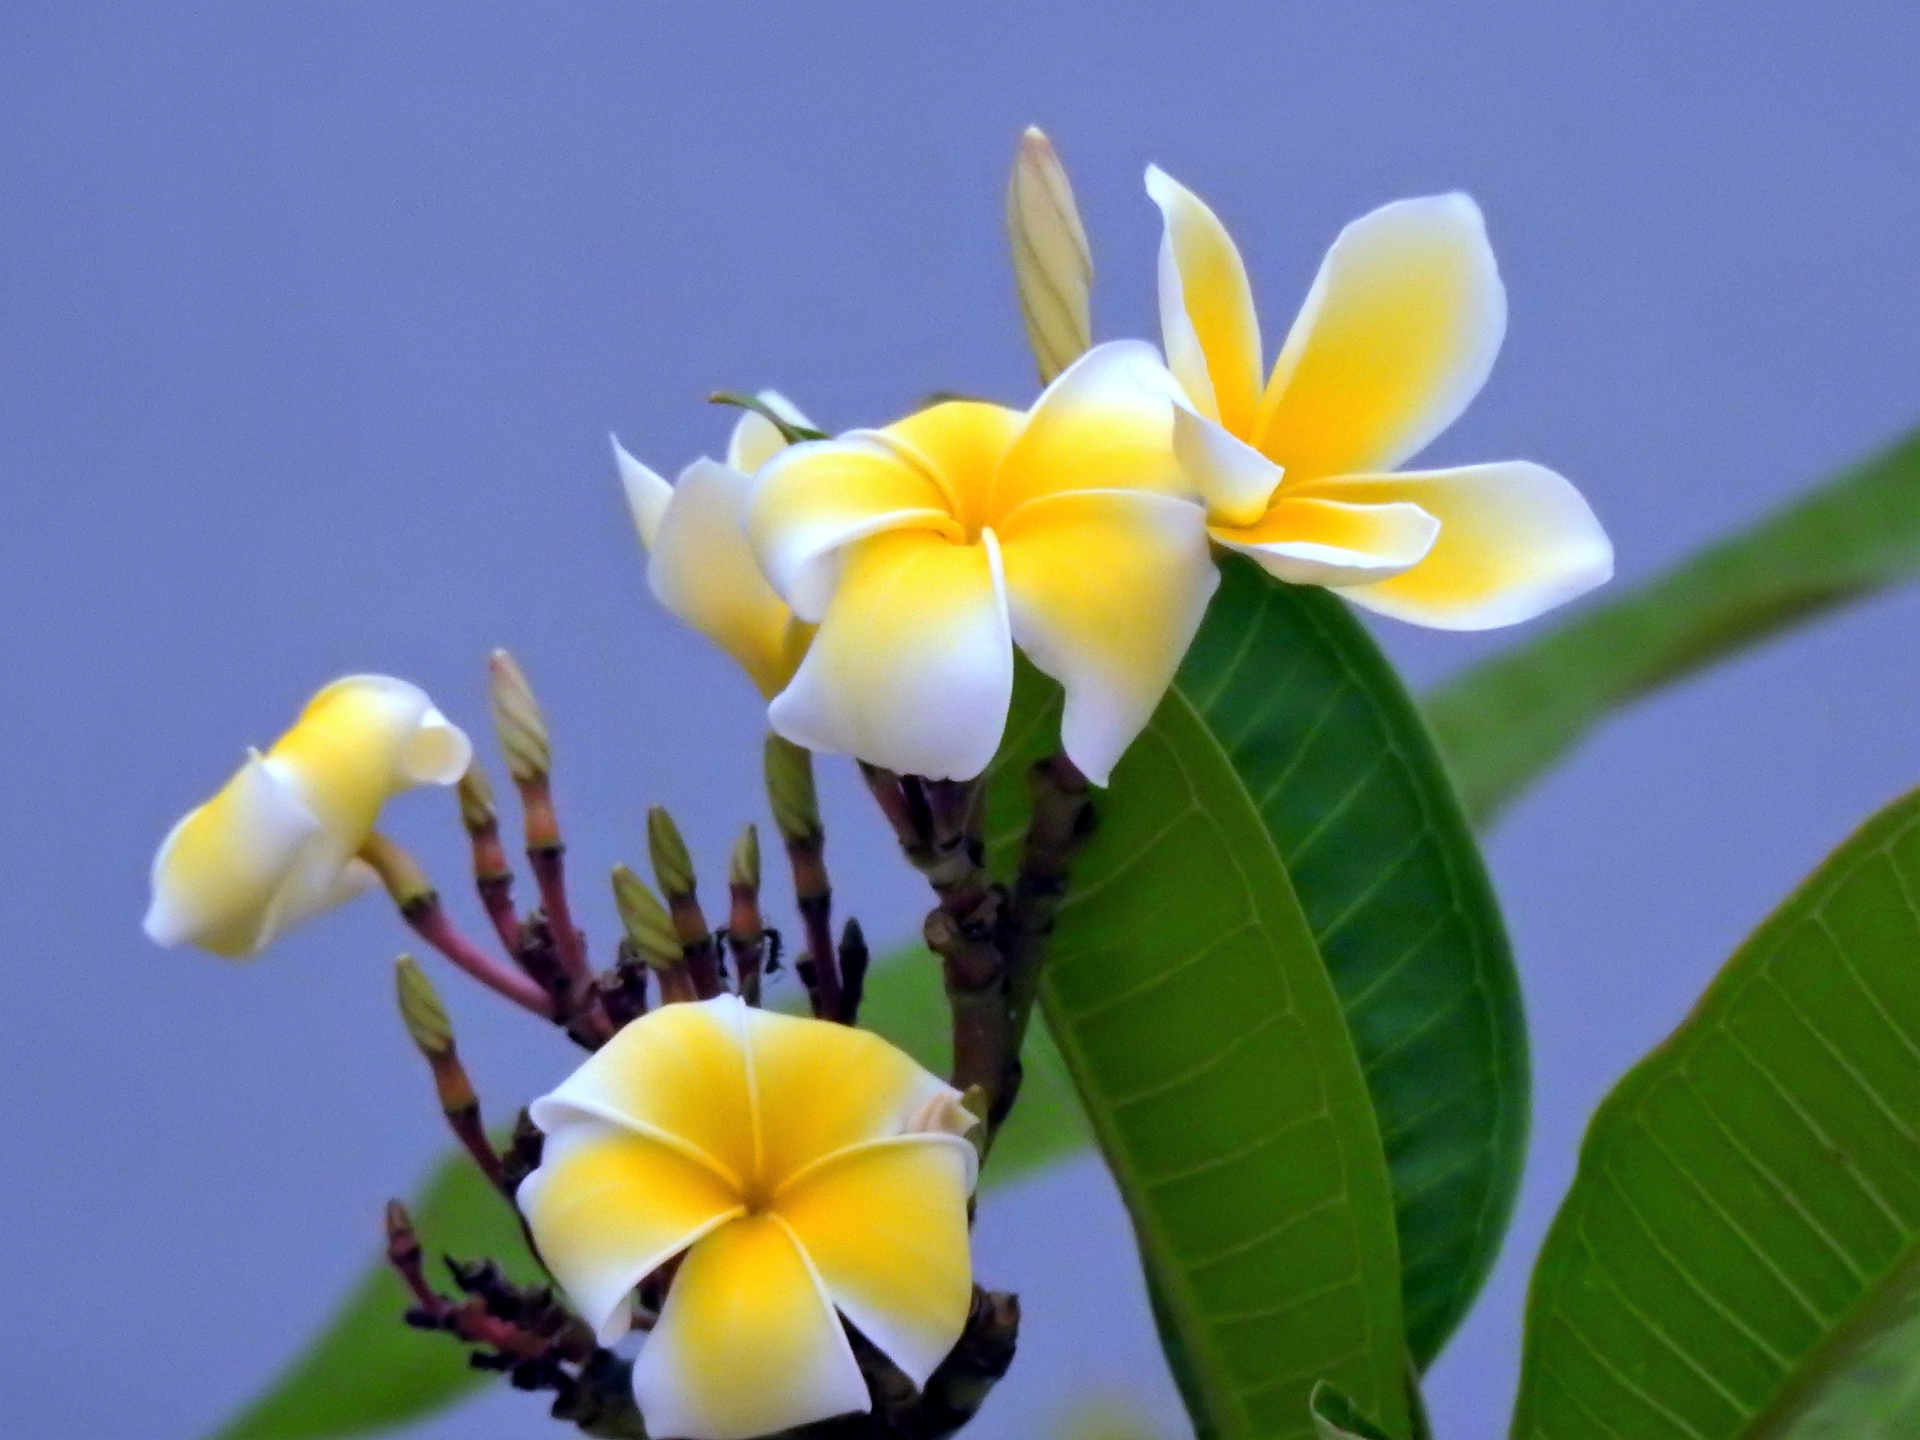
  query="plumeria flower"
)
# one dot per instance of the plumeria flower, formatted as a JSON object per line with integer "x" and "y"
{"x": 798, "y": 1168}
{"x": 926, "y": 551}
{"x": 1396, "y": 337}
{"x": 698, "y": 562}
{"x": 278, "y": 844}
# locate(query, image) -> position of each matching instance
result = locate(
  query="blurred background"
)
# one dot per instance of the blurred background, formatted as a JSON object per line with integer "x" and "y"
{"x": 313, "y": 322}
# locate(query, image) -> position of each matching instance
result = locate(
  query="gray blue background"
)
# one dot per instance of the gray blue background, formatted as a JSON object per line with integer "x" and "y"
{"x": 313, "y": 320}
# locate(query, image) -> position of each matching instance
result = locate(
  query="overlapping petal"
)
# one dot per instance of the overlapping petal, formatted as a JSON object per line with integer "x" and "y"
{"x": 1397, "y": 336}
{"x": 276, "y": 845}
{"x": 1206, "y": 308}
{"x": 885, "y": 1226}
{"x": 1105, "y": 590}
{"x": 1515, "y": 540}
{"x": 912, "y": 667}
{"x": 755, "y": 439}
{"x": 678, "y": 1074}
{"x": 747, "y": 1344}
{"x": 1234, "y": 481}
{"x": 1311, "y": 541}
{"x": 611, "y": 1205}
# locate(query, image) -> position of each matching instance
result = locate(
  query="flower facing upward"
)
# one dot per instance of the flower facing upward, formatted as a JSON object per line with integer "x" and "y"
{"x": 277, "y": 844}
{"x": 798, "y": 1167}
{"x": 927, "y": 550}
{"x": 1396, "y": 337}
{"x": 698, "y": 562}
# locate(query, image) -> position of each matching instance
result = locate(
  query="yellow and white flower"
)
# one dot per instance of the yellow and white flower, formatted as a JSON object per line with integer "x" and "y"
{"x": 698, "y": 563}
{"x": 799, "y": 1168}
{"x": 925, "y": 551}
{"x": 278, "y": 844}
{"x": 1397, "y": 336}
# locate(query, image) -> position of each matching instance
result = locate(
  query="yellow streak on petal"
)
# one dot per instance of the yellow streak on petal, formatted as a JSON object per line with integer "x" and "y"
{"x": 1309, "y": 540}
{"x": 747, "y": 1345}
{"x": 886, "y": 1228}
{"x": 1106, "y": 590}
{"x": 1207, "y": 318}
{"x": 345, "y": 753}
{"x": 963, "y": 442}
{"x": 679, "y": 1073}
{"x": 823, "y": 1087}
{"x": 1396, "y": 337}
{"x": 608, "y": 1206}
{"x": 1515, "y": 540}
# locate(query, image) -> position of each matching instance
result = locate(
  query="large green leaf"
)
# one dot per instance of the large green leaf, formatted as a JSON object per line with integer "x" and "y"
{"x": 1740, "y": 1253}
{"x": 1185, "y": 992}
{"x": 1503, "y": 722}
{"x": 366, "y": 1371}
{"x": 1325, "y": 739}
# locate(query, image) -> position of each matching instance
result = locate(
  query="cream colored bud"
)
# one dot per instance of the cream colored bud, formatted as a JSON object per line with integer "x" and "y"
{"x": 645, "y": 919}
{"x": 672, "y": 865}
{"x": 518, "y": 721}
{"x": 476, "y": 800}
{"x": 406, "y": 882}
{"x": 790, "y": 792}
{"x": 1052, "y": 264}
{"x": 743, "y": 869}
{"x": 425, "y": 1017}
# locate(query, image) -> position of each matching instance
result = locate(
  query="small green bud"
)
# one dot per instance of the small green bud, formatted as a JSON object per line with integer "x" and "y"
{"x": 476, "y": 800}
{"x": 796, "y": 808}
{"x": 406, "y": 882}
{"x": 518, "y": 721}
{"x": 645, "y": 919}
{"x": 672, "y": 865}
{"x": 425, "y": 1017}
{"x": 743, "y": 870}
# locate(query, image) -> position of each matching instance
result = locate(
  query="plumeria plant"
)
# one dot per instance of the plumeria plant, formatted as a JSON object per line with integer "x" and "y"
{"x": 1203, "y": 891}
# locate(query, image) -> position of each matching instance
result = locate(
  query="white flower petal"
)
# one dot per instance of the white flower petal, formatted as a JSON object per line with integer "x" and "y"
{"x": 1231, "y": 477}
{"x": 1313, "y": 541}
{"x": 1207, "y": 321}
{"x": 912, "y": 668}
{"x": 756, "y": 439}
{"x": 647, "y": 492}
{"x": 1105, "y": 590}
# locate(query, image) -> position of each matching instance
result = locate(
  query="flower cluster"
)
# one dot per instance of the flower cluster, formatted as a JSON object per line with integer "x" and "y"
{"x": 782, "y": 1203}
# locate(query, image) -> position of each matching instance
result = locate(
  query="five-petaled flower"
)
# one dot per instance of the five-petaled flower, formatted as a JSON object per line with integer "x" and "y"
{"x": 798, "y": 1168}
{"x": 698, "y": 563}
{"x": 1396, "y": 337}
{"x": 925, "y": 551}
{"x": 278, "y": 843}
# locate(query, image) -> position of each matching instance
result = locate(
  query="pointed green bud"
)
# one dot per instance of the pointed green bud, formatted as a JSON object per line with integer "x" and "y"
{"x": 518, "y": 721}
{"x": 743, "y": 870}
{"x": 672, "y": 865}
{"x": 406, "y": 882}
{"x": 645, "y": 919}
{"x": 476, "y": 800}
{"x": 796, "y": 808}
{"x": 1052, "y": 263}
{"x": 425, "y": 1017}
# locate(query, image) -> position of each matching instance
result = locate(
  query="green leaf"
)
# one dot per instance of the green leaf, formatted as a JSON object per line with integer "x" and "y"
{"x": 1322, "y": 734}
{"x": 1739, "y": 1255}
{"x": 1185, "y": 993}
{"x": 368, "y": 1371}
{"x": 1335, "y": 1417}
{"x": 1504, "y": 722}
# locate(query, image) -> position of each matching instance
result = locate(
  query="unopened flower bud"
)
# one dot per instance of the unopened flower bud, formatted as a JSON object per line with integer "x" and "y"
{"x": 518, "y": 721}
{"x": 425, "y": 1017}
{"x": 1052, "y": 264}
{"x": 796, "y": 808}
{"x": 672, "y": 865}
{"x": 406, "y": 882}
{"x": 743, "y": 869}
{"x": 645, "y": 920}
{"x": 476, "y": 801}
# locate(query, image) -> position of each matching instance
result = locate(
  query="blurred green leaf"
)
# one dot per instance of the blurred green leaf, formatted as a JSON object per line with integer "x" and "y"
{"x": 367, "y": 1371}
{"x": 1739, "y": 1255}
{"x": 1185, "y": 993}
{"x": 1335, "y": 1417}
{"x": 1326, "y": 740}
{"x": 1504, "y": 722}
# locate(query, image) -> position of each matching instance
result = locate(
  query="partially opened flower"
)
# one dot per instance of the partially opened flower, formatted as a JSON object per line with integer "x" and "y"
{"x": 698, "y": 563}
{"x": 799, "y": 1168}
{"x": 278, "y": 844}
{"x": 927, "y": 550}
{"x": 1397, "y": 335}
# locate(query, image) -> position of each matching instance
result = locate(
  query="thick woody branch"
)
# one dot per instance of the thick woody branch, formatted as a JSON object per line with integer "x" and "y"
{"x": 1061, "y": 821}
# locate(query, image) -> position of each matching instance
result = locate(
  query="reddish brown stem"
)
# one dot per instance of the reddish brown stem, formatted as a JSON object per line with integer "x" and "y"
{"x": 430, "y": 920}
